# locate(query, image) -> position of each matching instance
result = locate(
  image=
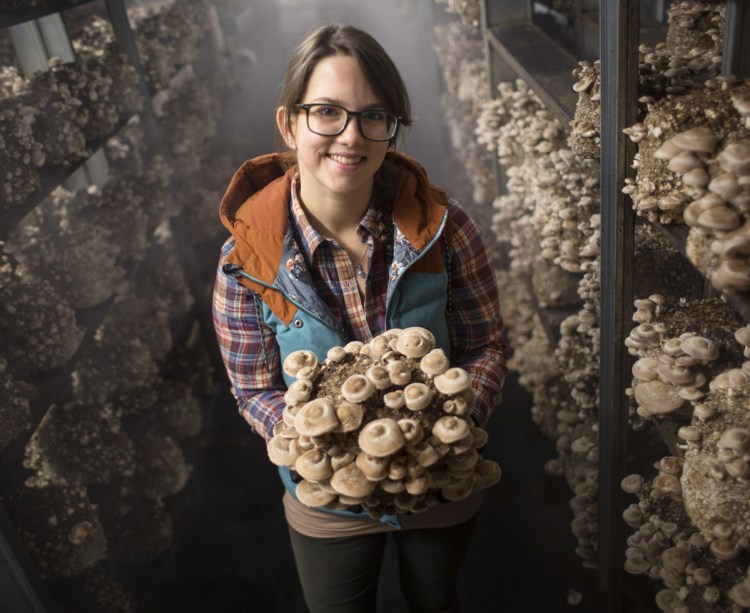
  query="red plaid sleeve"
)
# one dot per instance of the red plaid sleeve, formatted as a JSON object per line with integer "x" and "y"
{"x": 249, "y": 353}
{"x": 474, "y": 316}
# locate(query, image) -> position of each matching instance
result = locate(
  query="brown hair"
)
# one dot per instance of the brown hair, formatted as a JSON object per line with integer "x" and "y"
{"x": 333, "y": 39}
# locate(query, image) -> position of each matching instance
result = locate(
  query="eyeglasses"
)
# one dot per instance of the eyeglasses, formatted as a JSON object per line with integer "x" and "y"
{"x": 332, "y": 119}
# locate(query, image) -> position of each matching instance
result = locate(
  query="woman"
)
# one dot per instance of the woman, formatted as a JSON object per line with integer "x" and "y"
{"x": 338, "y": 239}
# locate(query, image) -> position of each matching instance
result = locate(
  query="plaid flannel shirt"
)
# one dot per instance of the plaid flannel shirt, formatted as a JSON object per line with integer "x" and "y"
{"x": 252, "y": 358}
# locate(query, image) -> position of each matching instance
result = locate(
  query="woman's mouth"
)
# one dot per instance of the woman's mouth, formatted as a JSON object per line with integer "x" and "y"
{"x": 346, "y": 160}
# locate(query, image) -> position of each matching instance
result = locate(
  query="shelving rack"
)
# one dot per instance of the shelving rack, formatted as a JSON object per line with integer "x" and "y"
{"x": 528, "y": 40}
{"x": 23, "y": 587}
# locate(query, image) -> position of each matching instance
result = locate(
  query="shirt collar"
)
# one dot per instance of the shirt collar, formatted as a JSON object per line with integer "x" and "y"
{"x": 311, "y": 238}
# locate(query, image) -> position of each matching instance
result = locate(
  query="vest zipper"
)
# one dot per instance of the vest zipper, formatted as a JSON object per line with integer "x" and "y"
{"x": 234, "y": 269}
{"x": 429, "y": 245}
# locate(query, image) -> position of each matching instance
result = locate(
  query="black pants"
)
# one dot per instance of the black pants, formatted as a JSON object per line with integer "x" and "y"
{"x": 341, "y": 574}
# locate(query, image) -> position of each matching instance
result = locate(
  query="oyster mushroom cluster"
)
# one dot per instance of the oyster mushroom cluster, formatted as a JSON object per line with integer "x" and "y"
{"x": 38, "y": 328}
{"x": 64, "y": 254}
{"x": 716, "y": 476}
{"x": 678, "y": 143}
{"x": 559, "y": 189}
{"x": 680, "y": 347}
{"x": 385, "y": 425}
{"x": 460, "y": 52}
{"x": 690, "y": 55}
{"x": 666, "y": 546}
{"x": 168, "y": 37}
{"x": 59, "y": 528}
{"x": 585, "y": 137}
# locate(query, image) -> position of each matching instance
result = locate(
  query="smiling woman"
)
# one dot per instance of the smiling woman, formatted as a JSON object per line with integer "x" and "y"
{"x": 335, "y": 241}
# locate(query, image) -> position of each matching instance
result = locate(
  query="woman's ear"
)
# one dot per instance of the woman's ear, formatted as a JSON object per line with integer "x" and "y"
{"x": 286, "y": 131}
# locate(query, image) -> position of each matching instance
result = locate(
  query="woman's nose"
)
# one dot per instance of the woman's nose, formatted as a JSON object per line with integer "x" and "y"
{"x": 351, "y": 132}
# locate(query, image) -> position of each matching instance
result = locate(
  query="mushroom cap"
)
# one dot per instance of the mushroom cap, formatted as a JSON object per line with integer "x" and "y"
{"x": 397, "y": 467}
{"x": 379, "y": 346}
{"x": 724, "y": 549}
{"x": 463, "y": 461}
{"x": 417, "y": 486}
{"x": 632, "y": 484}
{"x": 696, "y": 139}
{"x": 456, "y": 406}
{"x": 452, "y": 381}
{"x": 280, "y": 453}
{"x": 423, "y": 453}
{"x": 489, "y": 472}
{"x": 289, "y": 414}
{"x": 415, "y": 342}
{"x": 451, "y": 428}
{"x": 342, "y": 459}
{"x": 350, "y": 415}
{"x": 412, "y": 430}
{"x": 374, "y": 468}
{"x": 312, "y": 494}
{"x": 381, "y": 437}
{"x": 434, "y": 363}
{"x": 737, "y": 439}
{"x": 353, "y": 347}
{"x": 699, "y": 347}
{"x": 739, "y": 593}
{"x": 336, "y": 354}
{"x": 299, "y": 390}
{"x": 392, "y": 486}
{"x": 417, "y": 396}
{"x": 357, "y": 388}
{"x": 351, "y": 481}
{"x": 399, "y": 372}
{"x": 378, "y": 376}
{"x": 316, "y": 418}
{"x": 462, "y": 445}
{"x": 742, "y": 335}
{"x": 299, "y": 359}
{"x": 479, "y": 436}
{"x": 313, "y": 465}
{"x": 656, "y": 397}
{"x": 458, "y": 489}
{"x": 394, "y": 399}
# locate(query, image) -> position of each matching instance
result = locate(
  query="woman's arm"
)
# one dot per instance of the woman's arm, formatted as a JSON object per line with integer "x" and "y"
{"x": 250, "y": 355}
{"x": 474, "y": 313}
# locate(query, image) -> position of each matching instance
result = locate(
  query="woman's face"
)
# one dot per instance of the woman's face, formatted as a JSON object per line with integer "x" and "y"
{"x": 341, "y": 165}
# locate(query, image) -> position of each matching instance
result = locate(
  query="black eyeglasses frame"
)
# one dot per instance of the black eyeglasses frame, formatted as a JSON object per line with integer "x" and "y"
{"x": 349, "y": 114}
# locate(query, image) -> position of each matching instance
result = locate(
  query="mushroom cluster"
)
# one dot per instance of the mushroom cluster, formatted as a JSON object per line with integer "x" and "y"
{"x": 20, "y": 154}
{"x": 38, "y": 328}
{"x": 65, "y": 253}
{"x": 578, "y": 356}
{"x": 680, "y": 347}
{"x": 79, "y": 444}
{"x": 558, "y": 189}
{"x": 677, "y": 151}
{"x": 168, "y": 37}
{"x": 59, "y": 528}
{"x": 690, "y": 55}
{"x": 188, "y": 114}
{"x": 716, "y": 476}
{"x": 384, "y": 425}
{"x": 585, "y": 138}
{"x": 460, "y": 51}
{"x": 667, "y": 547}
